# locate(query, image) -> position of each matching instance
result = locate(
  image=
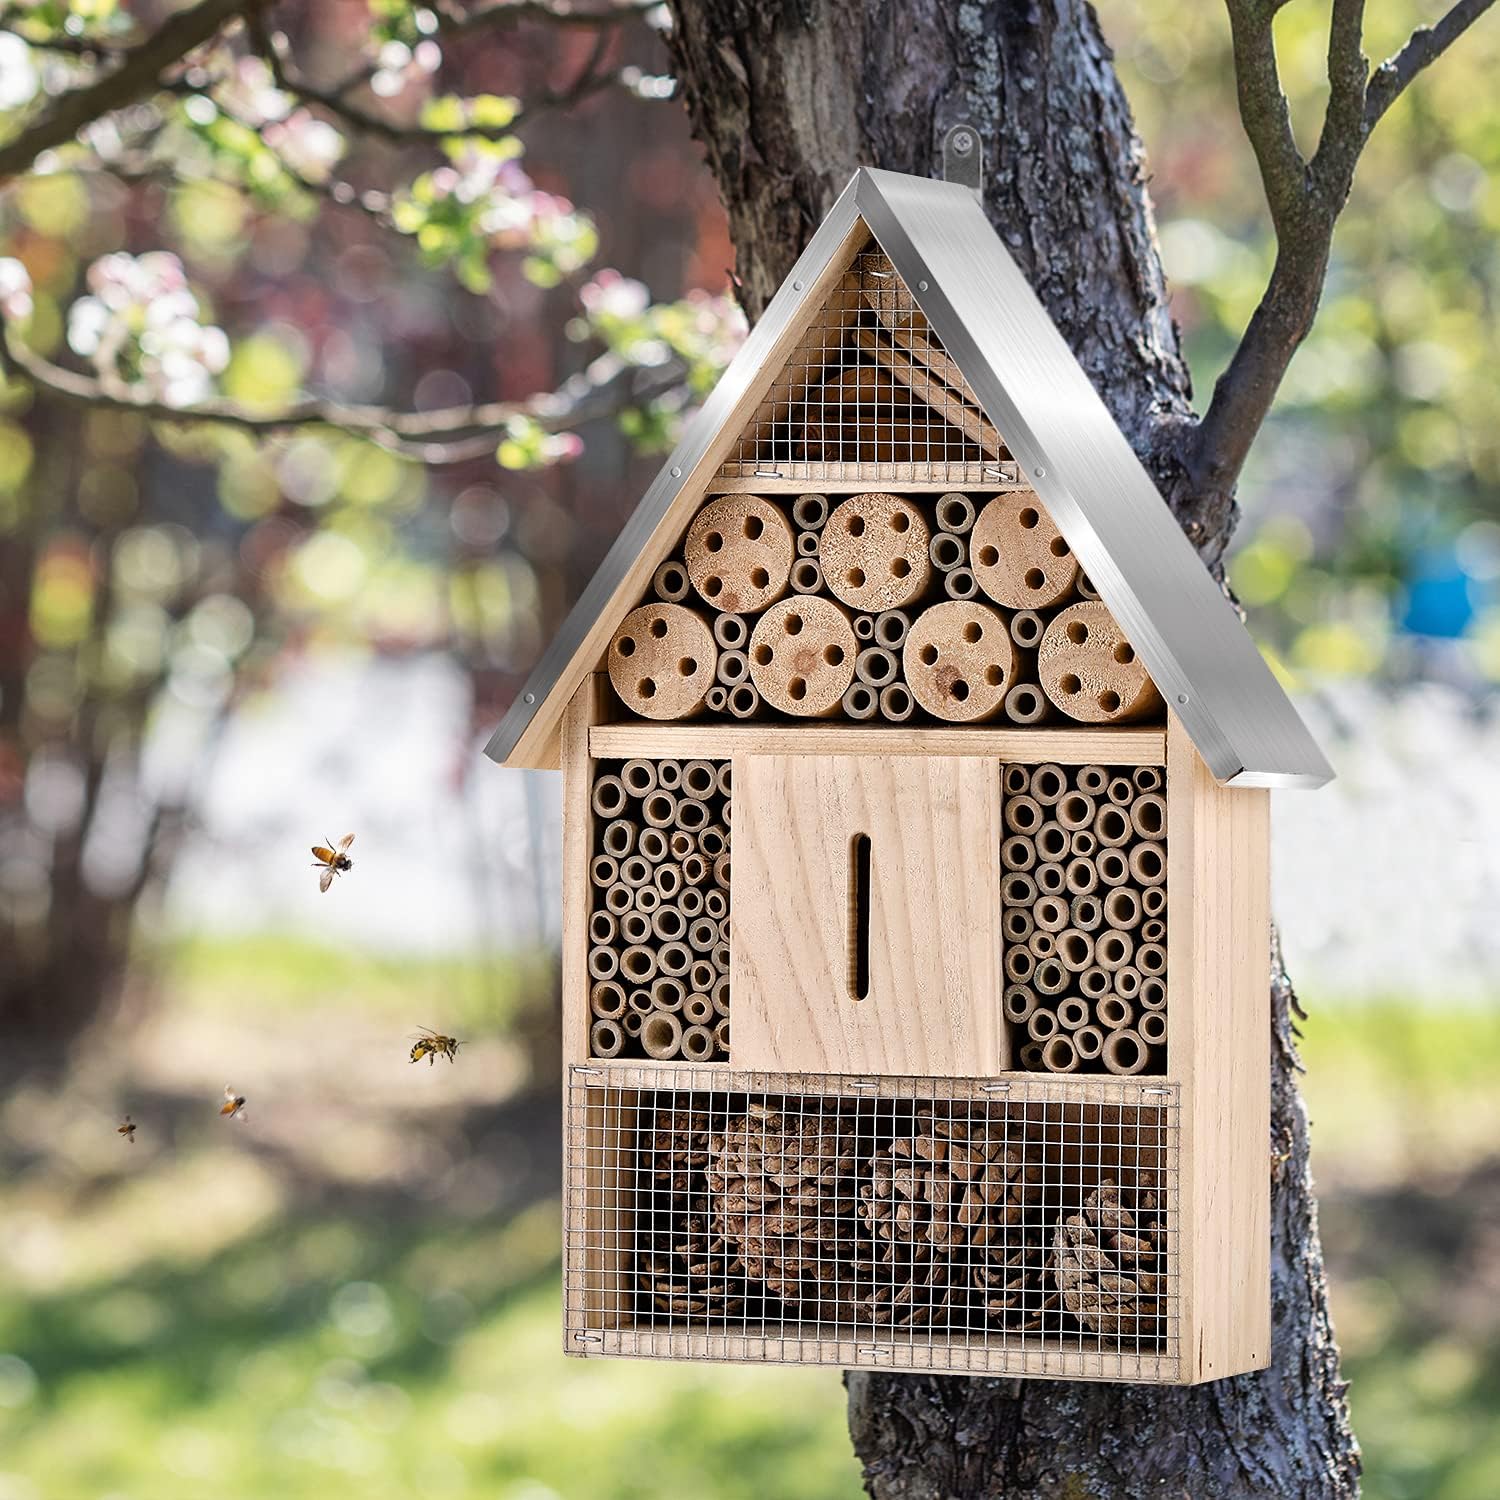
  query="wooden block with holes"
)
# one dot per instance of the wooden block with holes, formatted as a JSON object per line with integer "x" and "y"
{"x": 915, "y": 913}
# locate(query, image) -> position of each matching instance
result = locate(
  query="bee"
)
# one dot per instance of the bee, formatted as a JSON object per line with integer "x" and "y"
{"x": 332, "y": 860}
{"x": 432, "y": 1045}
{"x": 233, "y": 1105}
{"x": 127, "y": 1129}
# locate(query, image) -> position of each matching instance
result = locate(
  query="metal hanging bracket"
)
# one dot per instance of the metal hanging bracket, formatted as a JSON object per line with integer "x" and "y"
{"x": 963, "y": 158}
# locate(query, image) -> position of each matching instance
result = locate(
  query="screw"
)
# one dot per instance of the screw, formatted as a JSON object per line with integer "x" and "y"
{"x": 796, "y": 286}
{"x": 1182, "y": 697}
{"x": 921, "y": 286}
{"x": 963, "y": 142}
{"x": 676, "y": 473}
{"x": 531, "y": 697}
{"x": 1040, "y": 472}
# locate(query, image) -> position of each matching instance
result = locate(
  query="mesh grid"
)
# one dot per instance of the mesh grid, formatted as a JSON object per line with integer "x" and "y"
{"x": 870, "y": 385}
{"x": 1024, "y": 1227}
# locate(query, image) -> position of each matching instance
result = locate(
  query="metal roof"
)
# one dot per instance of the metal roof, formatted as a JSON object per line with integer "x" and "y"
{"x": 1068, "y": 447}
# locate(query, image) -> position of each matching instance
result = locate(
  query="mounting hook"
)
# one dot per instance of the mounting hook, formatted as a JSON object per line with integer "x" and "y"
{"x": 963, "y": 157}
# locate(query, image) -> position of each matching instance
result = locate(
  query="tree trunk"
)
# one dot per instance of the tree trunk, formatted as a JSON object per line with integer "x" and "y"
{"x": 788, "y": 96}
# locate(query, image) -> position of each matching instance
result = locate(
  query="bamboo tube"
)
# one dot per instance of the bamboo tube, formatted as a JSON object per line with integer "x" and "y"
{"x": 697, "y": 1044}
{"x": 602, "y": 927}
{"x": 635, "y": 871}
{"x": 1094, "y": 983}
{"x": 1154, "y": 993}
{"x": 802, "y": 656}
{"x": 1052, "y": 977}
{"x": 638, "y": 777}
{"x": 609, "y": 797}
{"x": 659, "y": 809}
{"x": 1113, "y": 866}
{"x": 1112, "y": 826}
{"x": 731, "y": 632}
{"x": 1075, "y": 810}
{"x": 1151, "y": 959}
{"x": 680, "y": 844}
{"x": 702, "y": 935}
{"x": 1081, "y": 876}
{"x": 744, "y": 701}
{"x": 725, "y": 775}
{"x": 1114, "y": 949}
{"x": 1023, "y": 815}
{"x": 1125, "y": 1052}
{"x": 1088, "y": 1042}
{"x": 698, "y": 1009}
{"x": 1015, "y": 780}
{"x": 1041, "y": 1024}
{"x": 1072, "y": 1013}
{"x": 1027, "y": 628}
{"x": 1083, "y": 844}
{"x": 1017, "y": 888}
{"x": 647, "y": 899}
{"x": 716, "y": 699}
{"x": 1153, "y": 1028}
{"x": 808, "y": 544}
{"x": 1019, "y": 964}
{"x": 1148, "y": 863}
{"x": 1015, "y": 923}
{"x": 721, "y": 872}
{"x": 1120, "y": 791}
{"x": 721, "y": 1034}
{"x": 1050, "y": 913}
{"x": 1094, "y": 780}
{"x": 1148, "y": 815}
{"x": 1122, "y": 908}
{"x": 604, "y": 963}
{"x": 1075, "y": 949}
{"x": 670, "y": 582}
{"x": 947, "y": 551}
{"x": 955, "y": 513}
{"x": 1087, "y": 912}
{"x": 1154, "y": 900}
{"x": 720, "y": 995}
{"x": 807, "y": 576}
{"x": 1021, "y": 559}
{"x": 618, "y": 837}
{"x": 618, "y": 898}
{"x": 1147, "y": 779}
{"x": 701, "y": 976}
{"x": 1153, "y": 930}
{"x": 960, "y": 584}
{"x": 603, "y": 870}
{"x": 733, "y": 668}
{"x": 668, "y": 923}
{"x": 1052, "y": 841}
{"x": 896, "y": 704}
{"x": 1031, "y": 1057}
{"x": 1090, "y": 671}
{"x": 712, "y": 841}
{"x": 891, "y": 628}
{"x": 640, "y": 1001}
{"x": 607, "y": 1000}
{"x": 1127, "y": 982}
{"x": 810, "y": 511}
{"x": 875, "y": 666}
{"x": 1018, "y": 1003}
{"x": 864, "y": 627}
{"x": 661, "y": 1036}
{"x": 638, "y": 964}
{"x": 1086, "y": 589}
{"x": 605, "y": 1039}
{"x": 1049, "y": 783}
{"x": 652, "y": 845}
{"x": 635, "y": 927}
{"x": 874, "y": 552}
{"x": 1113, "y": 1012}
{"x": 674, "y": 959}
{"x": 631, "y": 1023}
{"x": 716, "y": 905}
{"x": 661, "y": 662}
{"x": 695, "y": 869}
{"x": 1042, "y": 944}
{"x": 1051, "y": 878}
{"x": 669, "y": 775}
{"x": 1059, "y": 1055}
{"x": 691, "y": 816}
{"x": 1025, "y": 703}
{"x": 739, "y": 552}
{"x": 720, "y": 958}
{"x": 860, "y": 701}
{"x": 667, "y": 994}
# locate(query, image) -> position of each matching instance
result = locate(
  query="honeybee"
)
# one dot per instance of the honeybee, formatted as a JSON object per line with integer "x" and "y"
{"x": 233, "y": 1105}
{"x": 432, "y": 1045}
{"x": 333, "y": 861}
{"x": 127, "y": 1129}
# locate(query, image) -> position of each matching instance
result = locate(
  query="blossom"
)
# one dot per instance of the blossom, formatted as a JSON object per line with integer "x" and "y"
{"x": 15, "y": 289}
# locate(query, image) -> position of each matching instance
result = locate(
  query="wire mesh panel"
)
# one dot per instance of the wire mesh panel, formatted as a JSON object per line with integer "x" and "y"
{"x": 870, "y": 385}
{"x": 1025, "y": 1227}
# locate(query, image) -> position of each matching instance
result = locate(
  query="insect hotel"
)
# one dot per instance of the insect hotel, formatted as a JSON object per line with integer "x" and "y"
{"x": 915, "y": 944}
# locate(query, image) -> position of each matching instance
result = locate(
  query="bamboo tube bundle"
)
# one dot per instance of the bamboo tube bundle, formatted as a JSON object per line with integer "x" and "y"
{"x": 662, "y": 661}
{"x": 874, "y": 552}
{"x": 739, "y": 553}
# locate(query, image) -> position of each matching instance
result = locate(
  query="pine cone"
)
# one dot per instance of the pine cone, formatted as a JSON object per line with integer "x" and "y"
{"x": 677, "y": 1153}
{"x": 689, "y": 1273}
{"x": 781, "y": 1192}
{"x": 1107, "y": 1264}
{"x": 956, "y": 1208}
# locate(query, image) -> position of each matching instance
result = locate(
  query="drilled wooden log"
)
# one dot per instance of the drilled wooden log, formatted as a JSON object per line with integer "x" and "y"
{"x": 802, "y": 656}
{"x": 739, "y": 553}
{"x": 662, "y": 661}
{"x": 1019, "y": 557}
{"x": 958, "y": 661}
{"x": 874, "y": 552}
{"x": 1090, "y": 671}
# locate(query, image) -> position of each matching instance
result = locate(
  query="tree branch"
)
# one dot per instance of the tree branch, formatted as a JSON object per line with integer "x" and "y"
{"x": 1264, "y": 110}
{"x": 1343, "y": 135}
{"x": 1425, "y": 46}
{"x": 455, "y": 22}
{"x": 139, "y": 70}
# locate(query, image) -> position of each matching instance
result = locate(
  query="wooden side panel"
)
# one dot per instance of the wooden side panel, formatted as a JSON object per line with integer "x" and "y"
{"x": 584, "y": 710}
{"x": 598, "y": 1218}
{"x": 1218, "y": 986}
{"x": 934, "y": 963}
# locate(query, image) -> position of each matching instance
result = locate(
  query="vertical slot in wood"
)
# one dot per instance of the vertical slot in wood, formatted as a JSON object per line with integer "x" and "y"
{"x": 859, "y": 916}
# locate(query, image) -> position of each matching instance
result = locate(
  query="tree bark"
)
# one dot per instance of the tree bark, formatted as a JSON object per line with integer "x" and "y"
{"x": 788, "y": 97}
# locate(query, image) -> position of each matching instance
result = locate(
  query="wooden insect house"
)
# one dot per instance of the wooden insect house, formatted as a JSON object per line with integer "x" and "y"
{"x": 915, "y": 940}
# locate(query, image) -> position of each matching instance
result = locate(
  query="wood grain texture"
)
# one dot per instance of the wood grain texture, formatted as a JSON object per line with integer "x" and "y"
{"x": 583, "y": 712}
{"x": 1218, "y": 965}
{"x": 927, "y": 388}
{"x": 1068, "y": 747}
{"x": 934, "y": 925}
{"x": 838, "y": 479}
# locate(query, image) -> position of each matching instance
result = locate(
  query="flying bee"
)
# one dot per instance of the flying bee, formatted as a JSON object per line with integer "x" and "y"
{"x": 233, "y": 1105}
{"x": 332, "y": 860}
{"x": 127, "y": 1129}
{"x": 432, "y": 1045}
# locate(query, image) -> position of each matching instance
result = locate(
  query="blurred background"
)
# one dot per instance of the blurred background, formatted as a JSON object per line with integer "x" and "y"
{"x": 217, "y": 648}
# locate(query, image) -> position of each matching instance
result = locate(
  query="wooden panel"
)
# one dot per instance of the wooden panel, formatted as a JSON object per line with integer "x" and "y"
{"x": 598, "y": 1218}
{"x": 582, "y": 714}
{"x": 934, "y": 915}
{"x": 1069, "y": 747}
{"x": 1218, "y": 987}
